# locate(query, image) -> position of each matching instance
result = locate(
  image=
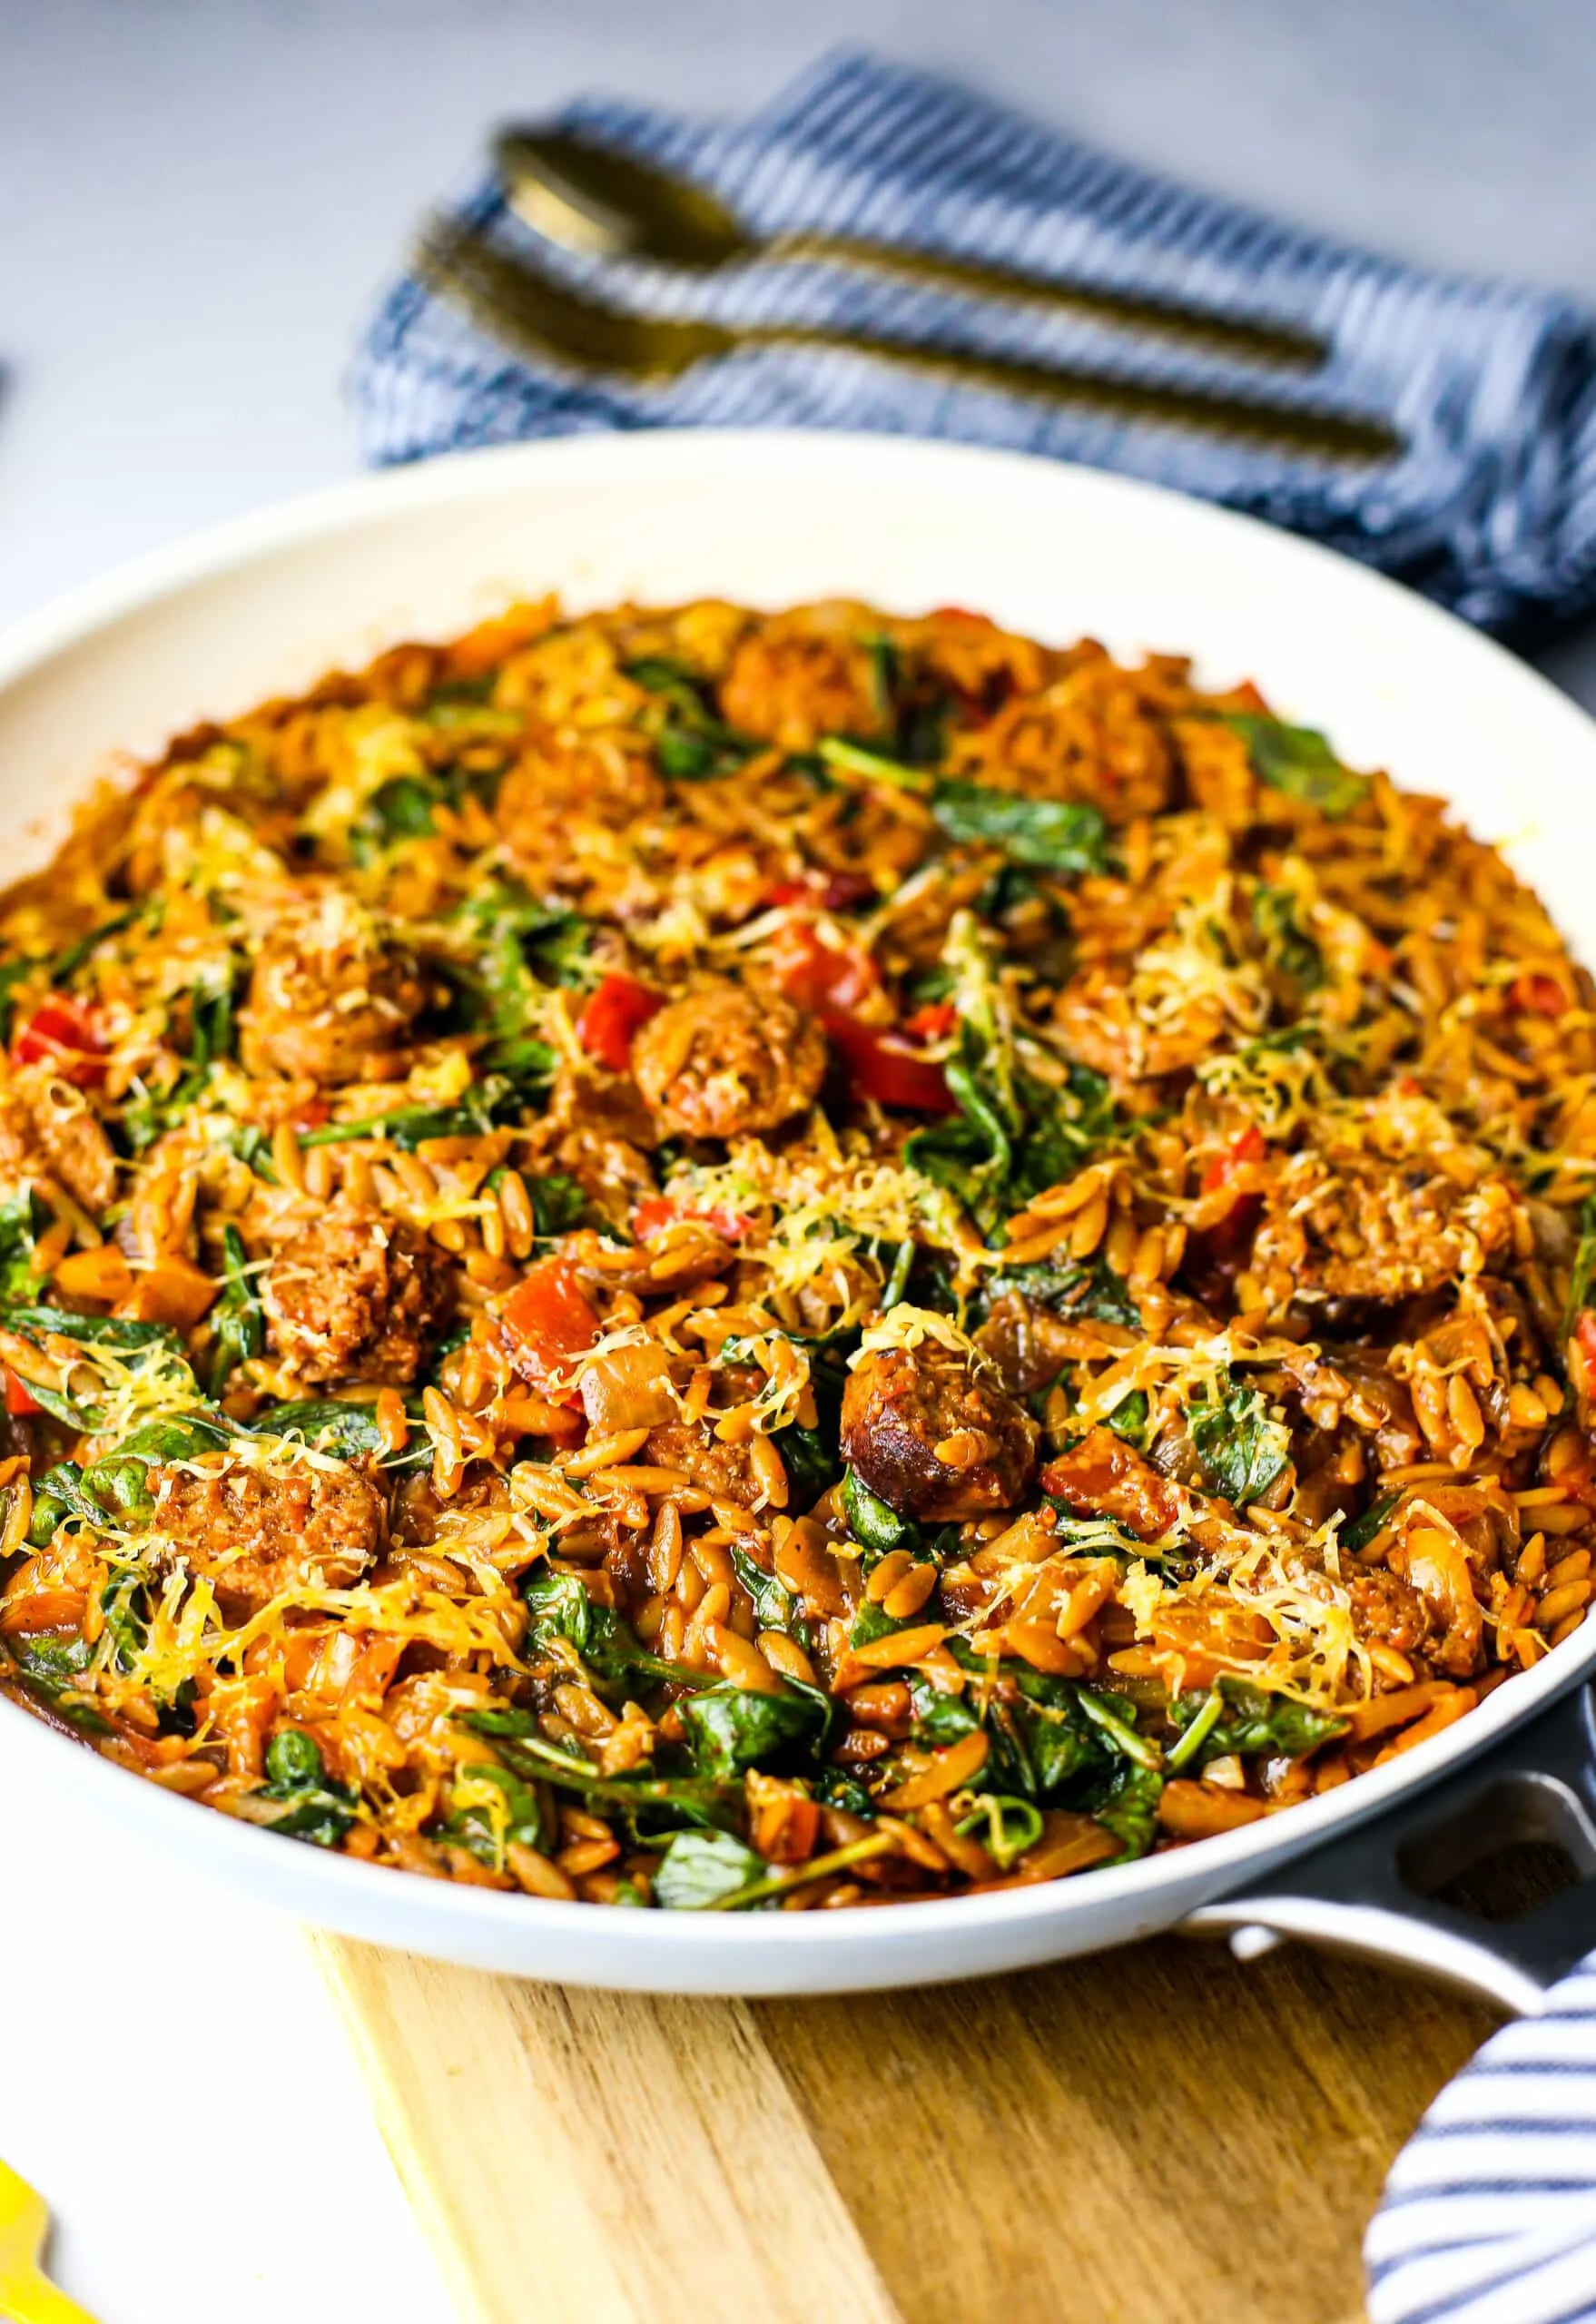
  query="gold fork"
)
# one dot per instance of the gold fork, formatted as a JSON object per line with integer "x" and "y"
{"x": 26, "y": 2294}
{"x": 551, "y": 322}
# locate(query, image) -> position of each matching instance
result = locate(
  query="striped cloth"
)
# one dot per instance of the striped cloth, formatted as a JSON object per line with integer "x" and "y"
{"x": 1490, "y": 509}
{"x": 1489, "y": 2215}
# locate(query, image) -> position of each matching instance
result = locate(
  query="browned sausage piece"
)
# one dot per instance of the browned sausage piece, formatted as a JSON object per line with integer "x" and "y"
{"x": 1102, "y": 1476}
{"x": 724, "y": 1471}
{"x": 1385, "y": 1607}
{"x": 330, "y": 994}
{"x": 932, "y": 1438}
{"x": 254, "y": 1533}
{"x": 356, "y": 1296}
{"x": 723, "y": 1060}
{"x": 802, "y": 676}
{"x": 47, "y": 1129}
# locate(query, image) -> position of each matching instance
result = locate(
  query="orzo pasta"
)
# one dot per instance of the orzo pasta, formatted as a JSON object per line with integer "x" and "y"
{"x": 715, "y": 1260}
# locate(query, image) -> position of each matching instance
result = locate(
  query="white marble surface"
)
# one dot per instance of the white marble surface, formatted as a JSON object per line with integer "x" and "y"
{"x": 200, "y": 198}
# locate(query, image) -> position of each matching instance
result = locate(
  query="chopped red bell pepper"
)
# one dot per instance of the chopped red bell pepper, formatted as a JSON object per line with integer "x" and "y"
{"x": 20, "y": 1399}
{"x": 882, "y": 1068}
{"x": 62, "y": 1032}
{"x": 934, "y": 1022}
{"x": 821, "y": 977}
{"x": 616, "y": 1013}
{"x": 660, "y": 1211}
{"x": 832, "y": 891}
{"x": 313, "y": 1114}
{"x": 1585, "y": 1336}
{"x": 1538, "y": 995}
{"x": 550, "y": 1318}
{"x": 1248, "y": 1146}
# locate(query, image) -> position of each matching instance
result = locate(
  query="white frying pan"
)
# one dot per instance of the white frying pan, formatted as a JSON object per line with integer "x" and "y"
{"x": 265, "y": 606}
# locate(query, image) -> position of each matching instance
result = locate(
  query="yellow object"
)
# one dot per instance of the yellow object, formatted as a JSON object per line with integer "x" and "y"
{"x": 27, "y": 2296}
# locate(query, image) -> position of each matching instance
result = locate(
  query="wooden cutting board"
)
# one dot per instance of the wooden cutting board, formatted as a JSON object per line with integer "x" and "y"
{"x": 1154, "y": 2136}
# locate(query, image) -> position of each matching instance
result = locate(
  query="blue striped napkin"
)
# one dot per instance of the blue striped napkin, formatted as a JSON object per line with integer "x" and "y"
{"x": 1489, "y": 2215}
{"x": 1491, "y": 508}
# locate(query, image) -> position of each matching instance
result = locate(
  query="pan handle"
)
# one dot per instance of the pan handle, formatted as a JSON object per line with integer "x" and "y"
{"x": 1370, "y": 1891}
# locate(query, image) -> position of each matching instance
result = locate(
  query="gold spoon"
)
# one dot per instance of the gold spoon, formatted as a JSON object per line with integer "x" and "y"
{"x": 551, "y": 322}
{"x": 26, "y": 2294}
{"x": 592, "y": 198}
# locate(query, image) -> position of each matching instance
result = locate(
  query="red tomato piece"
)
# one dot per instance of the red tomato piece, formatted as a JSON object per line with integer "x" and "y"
{"x": 934, "y": 1022}
{"x": 821, "y": 977}
{"x": 660, "y": 1211}
{"x": 833, "y": 890}
{"x": 312, "y": 1115}
{"x": 20, "y": 1399}
{"x": 841, "y": 890}
{"x": 62, "y": 1032}
{"x": 1585, "y": 1335}
{"x": 882, "y": 1068}
{"x": 1538, "y": 995}
{"x": 616, "y": 1013}
{"x": 550, "y": 1319}
{"x": 1248, "y": 1146}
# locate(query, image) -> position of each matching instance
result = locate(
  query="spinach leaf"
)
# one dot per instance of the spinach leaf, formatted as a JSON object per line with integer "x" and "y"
{"x": 1287, "y": 946}
{"x": 1006, "y": 1826}
{"x": 1129, "y": 1418}
{"x": 22, "y": 1221}
{"x": 557, "y": 1203}
{"x": 59, "y": 1495}
{"x": 838, "y": 1788}
{"x": 128, "y": 1346}
{"x": 774, "y": 1606}
{"x": 71, "y": 958}
{"x": 51, "y": 1670}
{"x": 121, "y": 1609}
{"x": 145, "y": 1116}
{"x": 562, "y": 1608}
{"x": 51, "y": 1663}
{"x": 472, "y": 1825}
{"x": 1298, "y": 760}
{"x": 811, "y": 1460}
{"x": 315, "y": 1808}
{"x": 1049, "y": 1736}
{"x": 520, "y": 947}
{"x": 693, "y": 743}
{"x": 13, "y": 974}
{"x": 1584, "y": 1267}
{"x": 873, "y": 1521}
{"x": 347, "y": 1431}
{"x": 1014, "y": 1135}
{"x": 1129, "y": 1807}
{"x": 118, "y": 1480}
{"x": 733, "y": 1728}
{"x": 1253, "y": 1718}
{"x": 1362, "y": 1530}
{"x": 875, "y": 766}
{"x": 1241, "y": 1449}
{"x": 403, "y": 807}
{"x": 697, "y": 1800}
{"x": 238, "y": 1318}
{"x": 1047, "y": 834}
{"x": 411, "y": 1125}
{"x": 1077, "y": 1288}
{"x": 699, "y": 1868}
{"x": 914, "y": 708}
